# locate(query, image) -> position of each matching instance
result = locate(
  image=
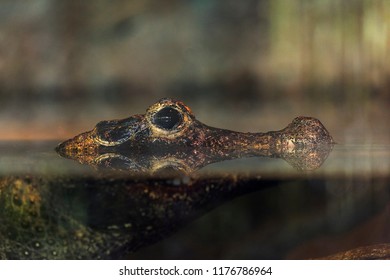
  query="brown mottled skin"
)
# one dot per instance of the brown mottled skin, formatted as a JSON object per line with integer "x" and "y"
{"x": 169, "y": 132}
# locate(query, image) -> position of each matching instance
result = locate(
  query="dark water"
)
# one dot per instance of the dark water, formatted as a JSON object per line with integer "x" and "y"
{"x": 257, "y": 208}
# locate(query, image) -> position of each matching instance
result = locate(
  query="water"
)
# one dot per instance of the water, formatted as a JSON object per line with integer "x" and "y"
{"x": 255, "y": 208}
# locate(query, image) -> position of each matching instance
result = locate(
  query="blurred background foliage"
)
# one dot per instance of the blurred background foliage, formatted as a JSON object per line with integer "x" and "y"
{"x": 244, "y": 65}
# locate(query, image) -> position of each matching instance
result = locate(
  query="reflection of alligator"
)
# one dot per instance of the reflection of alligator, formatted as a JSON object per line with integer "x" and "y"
{"x": 169, "y": 134}
{"x": 103, "y": 216}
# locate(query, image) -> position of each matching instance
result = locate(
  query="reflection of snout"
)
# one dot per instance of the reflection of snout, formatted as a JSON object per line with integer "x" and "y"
{"x": 308, "y": 158}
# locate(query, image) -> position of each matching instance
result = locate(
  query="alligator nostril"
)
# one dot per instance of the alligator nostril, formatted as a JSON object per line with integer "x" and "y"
{"x": 167, "y": 118}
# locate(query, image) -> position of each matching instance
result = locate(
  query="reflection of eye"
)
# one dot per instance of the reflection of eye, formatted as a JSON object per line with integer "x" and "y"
{"x": 167, "y": 118}
{"x": 117, "y": 162}
{"x": 170, "y": 169}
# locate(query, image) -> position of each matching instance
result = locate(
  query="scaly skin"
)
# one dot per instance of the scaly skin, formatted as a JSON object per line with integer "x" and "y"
{"x": 169, "y": 132}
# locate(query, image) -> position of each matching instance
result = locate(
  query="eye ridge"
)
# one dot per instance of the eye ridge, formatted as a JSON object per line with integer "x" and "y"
{"x": 112, "y": 133}
{"x": 168, "y": 118}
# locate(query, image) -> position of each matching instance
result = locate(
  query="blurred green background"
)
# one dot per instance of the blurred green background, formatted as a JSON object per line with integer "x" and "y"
{"x": 243, "y": 65}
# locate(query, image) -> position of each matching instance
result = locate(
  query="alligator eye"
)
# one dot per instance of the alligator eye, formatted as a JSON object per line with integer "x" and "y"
{"x": 167, "y": 118}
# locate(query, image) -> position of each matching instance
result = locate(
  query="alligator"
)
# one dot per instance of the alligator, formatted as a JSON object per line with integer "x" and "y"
{"x": 169, "y": 134}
